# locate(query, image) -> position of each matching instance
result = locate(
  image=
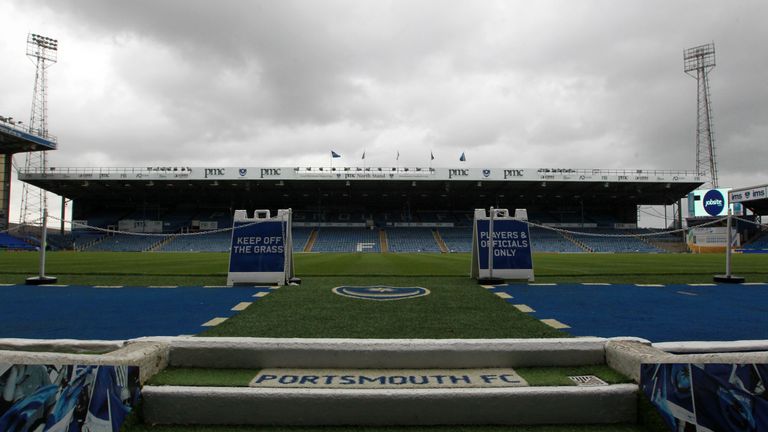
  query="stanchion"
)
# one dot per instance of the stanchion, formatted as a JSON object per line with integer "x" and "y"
{"x": 728, "y": 277}
{"x": 41, "y": 278}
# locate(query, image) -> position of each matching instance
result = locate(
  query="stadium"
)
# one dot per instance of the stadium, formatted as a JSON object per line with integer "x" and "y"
{"x": 371, "y": 313}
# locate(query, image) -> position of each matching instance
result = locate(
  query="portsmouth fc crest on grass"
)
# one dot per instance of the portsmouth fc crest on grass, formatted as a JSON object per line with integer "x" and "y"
{"x": 380, "y": 292}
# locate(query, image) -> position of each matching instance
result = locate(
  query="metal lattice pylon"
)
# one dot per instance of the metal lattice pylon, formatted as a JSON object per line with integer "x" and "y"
{"x": 43, "y": 53}
{"x": 698, "y": 62}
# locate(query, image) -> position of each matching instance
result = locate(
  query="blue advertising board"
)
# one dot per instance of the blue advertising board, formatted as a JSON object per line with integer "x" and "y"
{"x": 260, "y": 251}
{"x": 258, "y": 246}
{"x": 511, "y": 244}
{"x": 507, "y": 249}
{"x": 710, "y": 397}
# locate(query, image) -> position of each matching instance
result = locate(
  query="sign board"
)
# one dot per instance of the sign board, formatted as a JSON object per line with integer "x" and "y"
{"x": 261, "y": 251}
{"x": 710, "y": 202}
{"x": 507, "y": 249}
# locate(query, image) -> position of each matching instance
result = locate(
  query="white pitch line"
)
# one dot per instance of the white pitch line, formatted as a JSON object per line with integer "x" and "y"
{"x": 555, "y": 323}
{"x": 524, "y": 308}
{"x": 650, "y": 285}
{"x": 503, "y": 295}
{"x": 261, "y": 294}
{"x": 754, "y": 283}
{"x": 107, "y": 286}
{"x": 215, "y": 286}
{"x": 241, "y": 306}
{"x": 596, "y": 283}
{"x": 702, "y": 284}
{"x": 163, "y": 286}
{"x": 488, "y": 286}
{"x": 214, "y": 322}
{"x": 542, "y": 284}
{"x": 55, "y": 285}
{"x": 688, "y": 293}
{"x": 6, "y": 285}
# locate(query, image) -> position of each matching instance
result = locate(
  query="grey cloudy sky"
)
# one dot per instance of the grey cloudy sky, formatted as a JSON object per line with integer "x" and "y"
{"x": 575, "y": 84}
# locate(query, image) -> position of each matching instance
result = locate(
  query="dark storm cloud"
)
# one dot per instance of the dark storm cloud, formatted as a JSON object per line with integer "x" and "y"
{"x": 544, "y": 83}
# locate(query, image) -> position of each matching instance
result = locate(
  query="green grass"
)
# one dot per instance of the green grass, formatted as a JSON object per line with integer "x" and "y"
{"x": 210, "y": 268}
{"x": 535, "y": 376}
{"x": 456, "y": 308}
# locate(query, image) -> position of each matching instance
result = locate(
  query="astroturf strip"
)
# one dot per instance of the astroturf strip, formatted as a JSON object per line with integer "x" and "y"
{"x": 462, "y": 428}
{"x": 535, "y": 376}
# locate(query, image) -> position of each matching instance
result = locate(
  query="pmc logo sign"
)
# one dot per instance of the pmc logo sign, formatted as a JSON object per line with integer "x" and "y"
{"x": 714, "y": 203}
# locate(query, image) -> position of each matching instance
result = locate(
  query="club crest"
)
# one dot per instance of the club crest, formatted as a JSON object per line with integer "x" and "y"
{"x": 243, "y": 172}
{"x": 380, "y": 292}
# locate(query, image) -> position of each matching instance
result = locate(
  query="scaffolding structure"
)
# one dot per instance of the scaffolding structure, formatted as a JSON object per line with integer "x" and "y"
{"x": 42, "y": 51}
{"x": 698, "y": 62}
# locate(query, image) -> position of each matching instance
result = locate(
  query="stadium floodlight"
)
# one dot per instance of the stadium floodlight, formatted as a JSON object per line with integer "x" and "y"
{"x": 698, "y": 62}
{"x": 43, "y": 52}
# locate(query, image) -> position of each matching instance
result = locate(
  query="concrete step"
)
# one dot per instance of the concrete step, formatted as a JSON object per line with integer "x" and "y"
{"x": 464, "y": 406}
{"x": 382, "y": 353}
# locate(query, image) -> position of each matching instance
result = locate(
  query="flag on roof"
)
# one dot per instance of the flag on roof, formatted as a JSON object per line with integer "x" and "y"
{"x": 334, "y": 154}
{"x": 463, "y": 158}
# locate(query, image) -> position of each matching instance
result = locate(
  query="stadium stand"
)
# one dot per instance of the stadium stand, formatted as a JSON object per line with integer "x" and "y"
{"x": 758, "y": 243}
{"x": 216, "y": 242}
{"x": 332, "y": 239}
{"x": 300, "y": 238}
{"x": 457, "y": 239}
{"x": 123, "y": 243}
{"x": 411, "y": 240}
{"x": 544, "y": 240}
{"x": 614, "y": 244}
{"x": 9, "y": 242}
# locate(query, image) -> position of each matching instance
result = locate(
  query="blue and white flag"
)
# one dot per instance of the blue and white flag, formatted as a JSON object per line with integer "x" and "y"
{"x": 463, "y": 158}
{"x": 334, "y": 154}
{"x": 398, "y": 155}
{"x": 363, "y": 155}
{"x": 431, "y": 156}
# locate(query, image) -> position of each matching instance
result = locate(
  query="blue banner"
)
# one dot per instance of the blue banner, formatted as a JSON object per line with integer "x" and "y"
{"x": 257, "y": 247}
{"x": 511, "y": 245}
{"x": 715, "y": 397}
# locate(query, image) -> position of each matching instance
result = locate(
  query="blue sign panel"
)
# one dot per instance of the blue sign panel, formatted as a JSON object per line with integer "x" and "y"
{"x": 511, "y": 244}
{"x": 714, "y": 202}
{"x": 257, "y": 247}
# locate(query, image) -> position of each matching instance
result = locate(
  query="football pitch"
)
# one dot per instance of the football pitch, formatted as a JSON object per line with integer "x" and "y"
{"x": 456, "y": 308}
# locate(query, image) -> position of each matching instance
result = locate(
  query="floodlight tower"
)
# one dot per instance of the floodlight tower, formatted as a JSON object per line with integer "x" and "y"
{"x": 698, "y": 62}
{"x": 43, "y": 52}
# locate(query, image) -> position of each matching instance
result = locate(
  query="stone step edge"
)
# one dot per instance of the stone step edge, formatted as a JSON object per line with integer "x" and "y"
{"x": 382, "y": 353}
{"x": 302, "y": 407}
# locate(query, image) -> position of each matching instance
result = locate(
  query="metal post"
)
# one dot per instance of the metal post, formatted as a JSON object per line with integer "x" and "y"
{"x": 43, "y": 240}
{"x": 41, "y": 278}
{"x": 728, "y": 247}
{"x": 728, "y": 277}
{"x": 490, "y": 245}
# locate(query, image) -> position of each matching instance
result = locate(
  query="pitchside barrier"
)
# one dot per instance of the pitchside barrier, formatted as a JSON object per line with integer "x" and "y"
{"x": 261, "y": 251}
{"x": 508, "y": 254}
